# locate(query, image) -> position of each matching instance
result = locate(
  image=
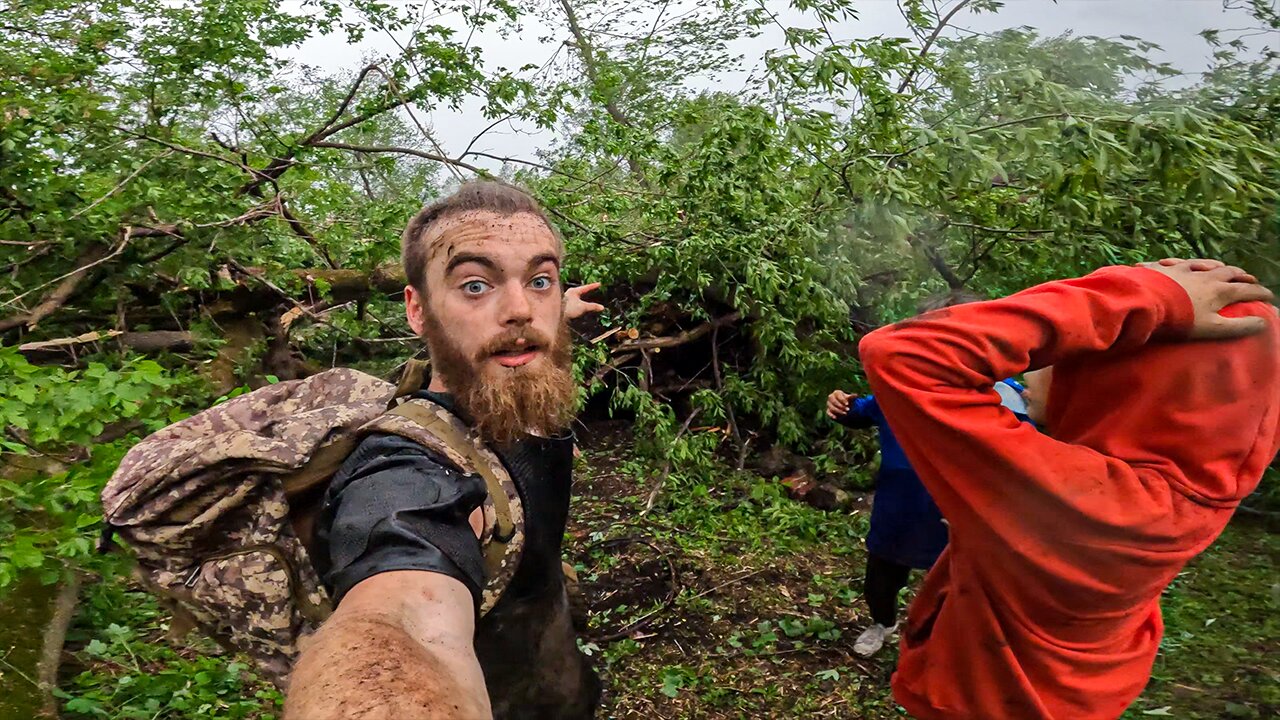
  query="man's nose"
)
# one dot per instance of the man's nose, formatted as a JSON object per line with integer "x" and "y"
{"x": 516, "y": 308}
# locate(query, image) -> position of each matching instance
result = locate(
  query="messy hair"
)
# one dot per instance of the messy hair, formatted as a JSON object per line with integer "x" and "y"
{"x": 477, "y": 195}
{"x": 947, "y": 299}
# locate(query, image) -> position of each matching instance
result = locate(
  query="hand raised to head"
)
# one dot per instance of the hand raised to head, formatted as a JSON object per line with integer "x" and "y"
{"x": 1212, "y": 285}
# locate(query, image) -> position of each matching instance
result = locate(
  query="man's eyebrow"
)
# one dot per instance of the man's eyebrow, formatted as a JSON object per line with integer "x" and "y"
{"x": 463, "y": 258}
{"x": 545, "y": 258}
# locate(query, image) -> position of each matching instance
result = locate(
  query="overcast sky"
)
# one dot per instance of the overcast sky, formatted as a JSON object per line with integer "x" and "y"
{"x": 1172, "y": 24}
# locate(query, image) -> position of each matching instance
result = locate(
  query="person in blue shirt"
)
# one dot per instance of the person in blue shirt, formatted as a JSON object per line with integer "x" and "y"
{"x": 907, "y": 530}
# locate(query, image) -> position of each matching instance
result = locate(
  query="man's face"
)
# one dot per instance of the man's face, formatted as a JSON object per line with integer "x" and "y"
{"x": 493, "y": 320}
{"x": 1036, "y": 395}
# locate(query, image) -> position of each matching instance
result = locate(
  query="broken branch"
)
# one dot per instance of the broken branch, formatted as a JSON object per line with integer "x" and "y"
{"x": 605, "y": 370}
{"x": 688, "y": 336}
{"x": 144, "y": 342}
{"x": 66, "y": 286}
{"x": 928, "y": 44}
{"x": 666, "y": 467}
{"x": 301, "y": 231}
{"x": 121, "y": 184}
{"x": 402, "y": 151}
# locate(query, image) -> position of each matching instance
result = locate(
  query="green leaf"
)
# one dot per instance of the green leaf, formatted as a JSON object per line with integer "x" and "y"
{"x": 23, "y": 554}
{"x": 673, "y": 680}
{"x": 84, "y": 706}
{"x": 1237, "y": 710}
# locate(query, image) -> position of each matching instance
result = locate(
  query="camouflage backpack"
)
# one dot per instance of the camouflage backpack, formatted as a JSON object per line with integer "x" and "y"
{"x": 219, "y": 508}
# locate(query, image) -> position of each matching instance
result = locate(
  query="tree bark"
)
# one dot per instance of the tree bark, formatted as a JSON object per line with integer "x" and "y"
{"x": 55, "y": 636}
{"x": 688, "y": 336}
{"x": 590, "y": 65}
{"x": 240, "y": 334}
{"x": 151, "y": 341}
{"x": 60, "y": 293}
{"x": 347, "y": 285}
{"x": 933, "y": 254}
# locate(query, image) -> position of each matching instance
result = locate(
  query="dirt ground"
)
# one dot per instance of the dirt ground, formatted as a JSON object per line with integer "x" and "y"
{"x": 726, "y": 601}
{"x": 712, "y": 617}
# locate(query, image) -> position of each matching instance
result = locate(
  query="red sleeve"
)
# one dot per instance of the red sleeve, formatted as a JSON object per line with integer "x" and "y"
{"x": 933, "y": 377}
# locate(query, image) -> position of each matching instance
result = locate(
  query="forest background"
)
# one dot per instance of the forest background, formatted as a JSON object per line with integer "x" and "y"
{"x": 189, "y": 210}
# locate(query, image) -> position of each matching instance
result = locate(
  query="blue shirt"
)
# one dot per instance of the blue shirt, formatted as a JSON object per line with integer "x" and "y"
{"x": 864, "y": 412}
{"x": 906, "y": 527}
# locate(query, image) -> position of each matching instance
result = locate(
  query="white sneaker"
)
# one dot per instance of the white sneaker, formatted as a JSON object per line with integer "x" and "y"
{"x": 872, "y": 639}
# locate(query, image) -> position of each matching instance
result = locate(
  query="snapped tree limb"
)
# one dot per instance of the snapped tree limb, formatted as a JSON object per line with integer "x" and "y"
{"x": 683, "y": 338}
{"x": 65, "y": 288}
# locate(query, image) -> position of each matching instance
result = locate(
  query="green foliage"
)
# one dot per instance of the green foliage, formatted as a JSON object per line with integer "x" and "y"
{"x": 164, "y": 167}
{"x": 55, "y": 409}
{"x": 51, "y": 523}
{"x": 853, "y": 178}
{"x": 130, "y": 672}
{"x": 675, "y": 679}
{"x": 993, "y": 161}
{"x": 766, "y": 634}
{"x": 50, "y": 513}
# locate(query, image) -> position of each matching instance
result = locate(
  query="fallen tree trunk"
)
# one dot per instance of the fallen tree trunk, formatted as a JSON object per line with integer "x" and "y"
{"x": 347, "y": 285}
{"x": 157, "y": 340}
{"x": 151, "y": 341}
{"x": 60, "y": 293}
{"x": 55, "y": 637}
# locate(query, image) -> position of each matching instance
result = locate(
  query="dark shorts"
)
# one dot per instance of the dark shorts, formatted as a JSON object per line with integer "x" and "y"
{"x": 906, "y": 526}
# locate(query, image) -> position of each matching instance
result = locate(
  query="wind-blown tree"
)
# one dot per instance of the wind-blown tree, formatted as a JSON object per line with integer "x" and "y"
{"x": 184, "y": 213}
{"x": 151, "y": 153}
{"x": 863, "y": 173}
{"x": 170, "y": 188}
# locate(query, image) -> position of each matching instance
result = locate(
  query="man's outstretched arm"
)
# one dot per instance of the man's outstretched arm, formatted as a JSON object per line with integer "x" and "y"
{"x": 399, "y": 647}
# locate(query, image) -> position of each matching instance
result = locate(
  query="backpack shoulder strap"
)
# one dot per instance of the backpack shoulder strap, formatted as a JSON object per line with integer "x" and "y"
{"x": 433, "y": 426}
{"x": 413, "y": 376}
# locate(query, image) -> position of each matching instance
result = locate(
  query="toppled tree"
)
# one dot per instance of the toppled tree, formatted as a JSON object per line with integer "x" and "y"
{"x": 170, "y": 186}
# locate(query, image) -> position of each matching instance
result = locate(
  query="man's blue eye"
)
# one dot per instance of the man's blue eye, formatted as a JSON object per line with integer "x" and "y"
{"x": 475, "y": 287}
{"x": 541, "y": 283}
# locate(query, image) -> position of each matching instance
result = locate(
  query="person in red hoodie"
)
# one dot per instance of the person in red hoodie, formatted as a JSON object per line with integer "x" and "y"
{"x": 1163, "y": 410}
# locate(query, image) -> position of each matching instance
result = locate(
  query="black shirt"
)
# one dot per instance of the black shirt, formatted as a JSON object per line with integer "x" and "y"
{"x": 395, "y": 505}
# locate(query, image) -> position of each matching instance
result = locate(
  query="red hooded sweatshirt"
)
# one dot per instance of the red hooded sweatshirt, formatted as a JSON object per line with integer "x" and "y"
{"x": 1046, "y": 602}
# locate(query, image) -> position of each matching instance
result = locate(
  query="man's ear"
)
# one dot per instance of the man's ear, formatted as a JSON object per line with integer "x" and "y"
{"x": 415, "y": 309}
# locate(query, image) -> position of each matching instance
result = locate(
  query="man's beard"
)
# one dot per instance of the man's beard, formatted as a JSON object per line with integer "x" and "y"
{"x": 504, "y": 403}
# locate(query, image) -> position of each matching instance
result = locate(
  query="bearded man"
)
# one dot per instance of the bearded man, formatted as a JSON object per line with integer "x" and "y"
{"x": 398, "y": 533}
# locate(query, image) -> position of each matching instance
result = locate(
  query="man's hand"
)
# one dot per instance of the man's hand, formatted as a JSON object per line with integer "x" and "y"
{"x": 1213, "y": 285}
{"x": 575, "y": 306}
{"x": 838, "y": 404}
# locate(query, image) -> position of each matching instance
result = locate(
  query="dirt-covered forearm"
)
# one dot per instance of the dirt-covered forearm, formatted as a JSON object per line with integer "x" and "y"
{"x": 364, "y": 666}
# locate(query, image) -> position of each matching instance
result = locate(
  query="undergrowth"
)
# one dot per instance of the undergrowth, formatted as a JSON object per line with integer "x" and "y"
{"x": 760, "y": 621}
{"x": 124, "y": 669}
